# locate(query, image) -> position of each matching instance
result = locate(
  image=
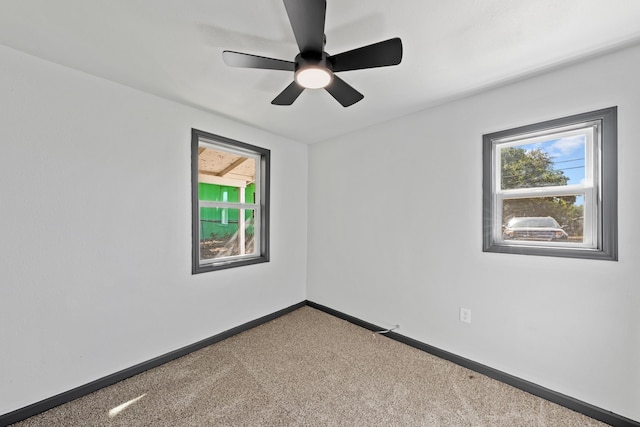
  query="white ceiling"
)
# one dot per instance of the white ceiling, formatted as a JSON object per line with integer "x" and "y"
{"x": 173, "y": 48}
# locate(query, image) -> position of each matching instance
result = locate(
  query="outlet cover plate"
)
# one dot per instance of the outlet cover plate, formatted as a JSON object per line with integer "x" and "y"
{"x": 465, "y": 315}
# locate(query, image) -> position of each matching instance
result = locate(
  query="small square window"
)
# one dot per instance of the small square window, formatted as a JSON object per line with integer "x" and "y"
{"x": 230, "y": 202}
{"x": 551, "y": 188}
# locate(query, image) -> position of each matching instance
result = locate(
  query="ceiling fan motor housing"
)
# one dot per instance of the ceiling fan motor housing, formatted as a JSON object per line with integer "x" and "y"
{"x": 313, "y": 70}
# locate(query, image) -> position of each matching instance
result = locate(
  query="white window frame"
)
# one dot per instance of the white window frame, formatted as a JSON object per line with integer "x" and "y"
{"x": 599, "y": 188}
{"x": 260, "y": 206}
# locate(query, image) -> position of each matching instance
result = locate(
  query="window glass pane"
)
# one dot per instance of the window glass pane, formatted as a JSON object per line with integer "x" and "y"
{"x": 559, "y": 161}
{"x": 219, "y": 239}
{"x": 558, "y": 219}
{"x": 226, "y": 177}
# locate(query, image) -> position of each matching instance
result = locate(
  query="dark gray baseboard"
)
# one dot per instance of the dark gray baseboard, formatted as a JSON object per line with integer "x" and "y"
{"x": 537, "y": 390}
{"x": 547, "y": 394}
{"x": 68, "y": 396}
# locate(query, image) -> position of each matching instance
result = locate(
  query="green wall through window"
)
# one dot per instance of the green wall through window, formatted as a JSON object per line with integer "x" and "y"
{"x": 215, "y": 223}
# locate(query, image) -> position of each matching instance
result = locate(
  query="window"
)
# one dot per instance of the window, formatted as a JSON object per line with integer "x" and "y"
{"x": 551, "y": 188}
{"x": 230, "y": 202}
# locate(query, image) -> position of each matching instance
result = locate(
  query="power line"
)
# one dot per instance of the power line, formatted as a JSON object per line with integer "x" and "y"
{"x": 570, "y": 160}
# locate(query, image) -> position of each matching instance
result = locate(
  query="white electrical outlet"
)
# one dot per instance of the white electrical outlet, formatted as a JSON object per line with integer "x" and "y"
{"x": 465, "y": 315}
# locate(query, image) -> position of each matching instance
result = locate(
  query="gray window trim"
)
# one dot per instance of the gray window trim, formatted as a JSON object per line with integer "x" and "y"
{"x": 264, "y": 183}
{"x": 607, "y": 248}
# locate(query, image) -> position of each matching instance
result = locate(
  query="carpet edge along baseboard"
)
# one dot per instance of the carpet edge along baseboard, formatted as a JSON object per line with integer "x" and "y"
{"x": 568, "y": 402}
{"x": 83, "y": 390}
{"x": 537, "y": 390}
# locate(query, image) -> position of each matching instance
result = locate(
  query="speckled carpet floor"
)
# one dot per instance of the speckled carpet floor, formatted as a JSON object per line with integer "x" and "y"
{"x": 308, "y": 368}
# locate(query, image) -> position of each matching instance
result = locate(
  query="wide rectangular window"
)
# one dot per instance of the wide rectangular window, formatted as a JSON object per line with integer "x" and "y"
{"x": 551, "y": 188}
{"x": 230, "y": 202}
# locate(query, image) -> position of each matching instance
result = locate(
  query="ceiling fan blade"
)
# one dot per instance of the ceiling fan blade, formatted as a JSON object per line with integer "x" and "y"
{"x": 307, "y": 21}
{"x": 343, "y": 92}
{"x": 246, "y": 60}
{"x": 382, "y": 54}
{"x": 290, "y": 94}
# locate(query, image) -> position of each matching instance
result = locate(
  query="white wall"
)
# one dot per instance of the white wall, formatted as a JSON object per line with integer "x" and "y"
{"x": 95, "y": 231}
{"x": 395, "y": 236}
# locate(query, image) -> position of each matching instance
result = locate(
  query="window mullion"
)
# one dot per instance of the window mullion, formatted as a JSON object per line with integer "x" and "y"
{"x": 232, "y": 205}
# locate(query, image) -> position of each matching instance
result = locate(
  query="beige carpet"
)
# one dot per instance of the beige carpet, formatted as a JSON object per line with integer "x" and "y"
{"x": 308, "y": 368}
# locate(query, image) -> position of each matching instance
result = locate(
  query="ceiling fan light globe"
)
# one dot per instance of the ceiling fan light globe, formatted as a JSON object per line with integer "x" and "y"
{"x": 313, "y": 77}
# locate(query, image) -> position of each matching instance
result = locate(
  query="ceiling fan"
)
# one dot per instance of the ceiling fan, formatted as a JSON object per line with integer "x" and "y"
{"x": 313, "y": 67}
